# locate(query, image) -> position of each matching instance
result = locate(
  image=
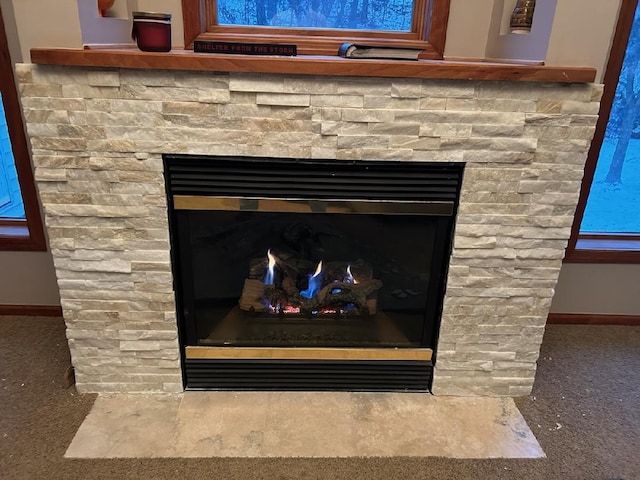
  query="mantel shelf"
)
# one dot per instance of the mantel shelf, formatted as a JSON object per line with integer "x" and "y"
{"x": 310, "y": 65}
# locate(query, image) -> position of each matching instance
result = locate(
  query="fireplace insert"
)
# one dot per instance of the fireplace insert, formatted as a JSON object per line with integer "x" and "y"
{"x": 309, "y": 274}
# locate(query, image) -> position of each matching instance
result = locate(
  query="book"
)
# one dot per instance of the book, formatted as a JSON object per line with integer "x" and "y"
{"x": 353, "y": 50}
{"x": 238, "y": 48}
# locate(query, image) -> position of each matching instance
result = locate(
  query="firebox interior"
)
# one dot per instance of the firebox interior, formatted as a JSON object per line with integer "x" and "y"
{"x": 397, "y": 250}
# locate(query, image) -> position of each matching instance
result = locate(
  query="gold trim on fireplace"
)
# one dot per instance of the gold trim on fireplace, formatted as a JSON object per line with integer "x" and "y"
{"x": 237, "y": 204}
{"x": 303, "y": 353}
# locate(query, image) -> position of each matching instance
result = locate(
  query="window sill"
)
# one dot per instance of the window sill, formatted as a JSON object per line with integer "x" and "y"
{"x": 604, "y": 249}
{"x": 311, "y": 65}
{"x": 15, "y": 236}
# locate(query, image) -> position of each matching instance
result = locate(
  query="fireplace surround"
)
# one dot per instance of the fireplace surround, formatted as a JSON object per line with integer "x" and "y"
{"x": 98, "y": 136}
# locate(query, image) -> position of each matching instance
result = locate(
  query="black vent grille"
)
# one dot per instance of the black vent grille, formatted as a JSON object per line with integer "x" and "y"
{"x": 309, "y": 375}
{"x": 312, "y": 179}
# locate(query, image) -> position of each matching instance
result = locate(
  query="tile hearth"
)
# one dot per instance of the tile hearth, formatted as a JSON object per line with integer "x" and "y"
{"x": 281, "y": 424}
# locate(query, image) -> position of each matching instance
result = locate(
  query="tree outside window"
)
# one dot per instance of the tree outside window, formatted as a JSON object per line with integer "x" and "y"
{"x": 319, "y": 27}
{"x": 613, "y": 205}
{"x": 383, "y": 15}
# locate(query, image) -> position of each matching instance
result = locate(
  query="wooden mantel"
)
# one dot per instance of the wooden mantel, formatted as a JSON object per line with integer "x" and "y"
{"x": 311, "y": 65}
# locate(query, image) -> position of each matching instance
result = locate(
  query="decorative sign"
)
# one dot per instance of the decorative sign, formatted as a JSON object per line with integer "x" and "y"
{"x": 203, "y": 46}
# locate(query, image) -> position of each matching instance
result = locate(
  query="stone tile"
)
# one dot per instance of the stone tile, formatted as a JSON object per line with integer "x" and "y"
{"x": 220, "y": 424}
{"x": 126, "y": 426}
{"x": 304, "y": 424}
{"x": 311, "y": 425}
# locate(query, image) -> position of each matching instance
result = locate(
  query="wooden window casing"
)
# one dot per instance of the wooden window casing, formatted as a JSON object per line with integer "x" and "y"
{"x": 25, "y": 234}
{"x": 604, "y": 248}
{"x": 429, "y": 29}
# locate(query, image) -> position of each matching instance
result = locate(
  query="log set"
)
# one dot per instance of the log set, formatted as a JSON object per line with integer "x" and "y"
{"x": 343, "y": 288}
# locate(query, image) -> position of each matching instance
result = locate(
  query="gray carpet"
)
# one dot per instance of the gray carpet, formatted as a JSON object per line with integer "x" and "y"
{"x": 584, "y": 410}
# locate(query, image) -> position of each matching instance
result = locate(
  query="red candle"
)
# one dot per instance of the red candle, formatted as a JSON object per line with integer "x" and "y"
{"x": 152, "y": 31}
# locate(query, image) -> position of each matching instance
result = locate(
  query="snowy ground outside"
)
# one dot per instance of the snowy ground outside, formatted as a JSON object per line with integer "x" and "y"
{"x": 615, "y": 208}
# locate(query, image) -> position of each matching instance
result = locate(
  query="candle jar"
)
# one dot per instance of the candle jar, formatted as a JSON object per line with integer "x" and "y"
{"x": 152, "y": 31}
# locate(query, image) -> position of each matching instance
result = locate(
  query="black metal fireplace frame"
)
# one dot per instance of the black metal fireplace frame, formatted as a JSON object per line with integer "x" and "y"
{"x": 318, "y": 181}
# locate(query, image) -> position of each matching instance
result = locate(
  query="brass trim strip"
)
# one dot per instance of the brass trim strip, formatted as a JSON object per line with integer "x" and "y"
{"x": 303, "y": 353}
{"x": 236, "y": 204}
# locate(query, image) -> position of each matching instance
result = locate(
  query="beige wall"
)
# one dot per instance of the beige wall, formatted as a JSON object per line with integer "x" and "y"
{"x": 598, "y": 288}
{"x": 591, "y": 288}
{"x": 45, "y": 23}
{"x": 28, "y": 278}
{"x": 11, "y": 29}
{"x": 502, "y": 44}
{"x": 581, "y": 35}
{"x": 468, "y": 28}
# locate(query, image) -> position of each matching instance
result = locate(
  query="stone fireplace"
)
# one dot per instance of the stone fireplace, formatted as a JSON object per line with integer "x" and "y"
{"x": 98, "y": 137}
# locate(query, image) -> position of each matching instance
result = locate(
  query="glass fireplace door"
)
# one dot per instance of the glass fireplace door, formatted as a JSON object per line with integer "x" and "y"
{"x": 317, "y": 273}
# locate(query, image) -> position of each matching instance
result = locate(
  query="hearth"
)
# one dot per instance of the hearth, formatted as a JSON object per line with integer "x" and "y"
{"x": 309, "y": 274}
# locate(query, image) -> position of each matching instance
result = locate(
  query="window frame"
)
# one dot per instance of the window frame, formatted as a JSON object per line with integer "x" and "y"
{"x": 429, "y": 29}
{"x": 25, "y": 234}
{"x": 604, "y": 248}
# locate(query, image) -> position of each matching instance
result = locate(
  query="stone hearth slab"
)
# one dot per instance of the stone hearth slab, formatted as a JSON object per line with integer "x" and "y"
{"x": 287, "y": 424}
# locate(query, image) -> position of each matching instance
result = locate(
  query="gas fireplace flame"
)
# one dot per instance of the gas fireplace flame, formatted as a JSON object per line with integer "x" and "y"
{"x": 349, "y": 278}
{"x": 268, "y": 279}
{"x": 315, "y": 283}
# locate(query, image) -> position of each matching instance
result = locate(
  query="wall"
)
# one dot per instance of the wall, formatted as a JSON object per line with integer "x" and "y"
{"x": 502, "y": 44}
{"x": 591, "y": 288}
{"x": 580, "y": 36}
{"x": 28, "y": 277}
{"x": 468, "y": 28}
{"x": 43, "y": 23}
{"x": 96, "y": 29}
{"x": 598, "y": 288}
{"x": 582, "y": 33}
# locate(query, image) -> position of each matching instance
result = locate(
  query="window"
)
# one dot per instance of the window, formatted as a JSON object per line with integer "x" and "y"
{"x": 607, "y": 223}
{"x": 318, "y": 27}
{"x": 11, "y": 204}
{"x": 20, "y": 222}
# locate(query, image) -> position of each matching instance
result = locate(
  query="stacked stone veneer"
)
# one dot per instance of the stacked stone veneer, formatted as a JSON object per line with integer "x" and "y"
{"x": 97, "y": 136}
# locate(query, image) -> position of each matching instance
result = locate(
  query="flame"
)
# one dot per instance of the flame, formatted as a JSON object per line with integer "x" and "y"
{"x": 315, "y": 283}
{"x": 268, "y": 279}
{"x": 350, "y": 278}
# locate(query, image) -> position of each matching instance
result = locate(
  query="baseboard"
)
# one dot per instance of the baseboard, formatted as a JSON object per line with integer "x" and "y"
{"x": 32, "y": 310}
{"x": 592, "y": 319}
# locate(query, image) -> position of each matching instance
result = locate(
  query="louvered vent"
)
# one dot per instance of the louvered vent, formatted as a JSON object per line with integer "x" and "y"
{"x": 312, "y": 179}
{"x": 309, "y": 375}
